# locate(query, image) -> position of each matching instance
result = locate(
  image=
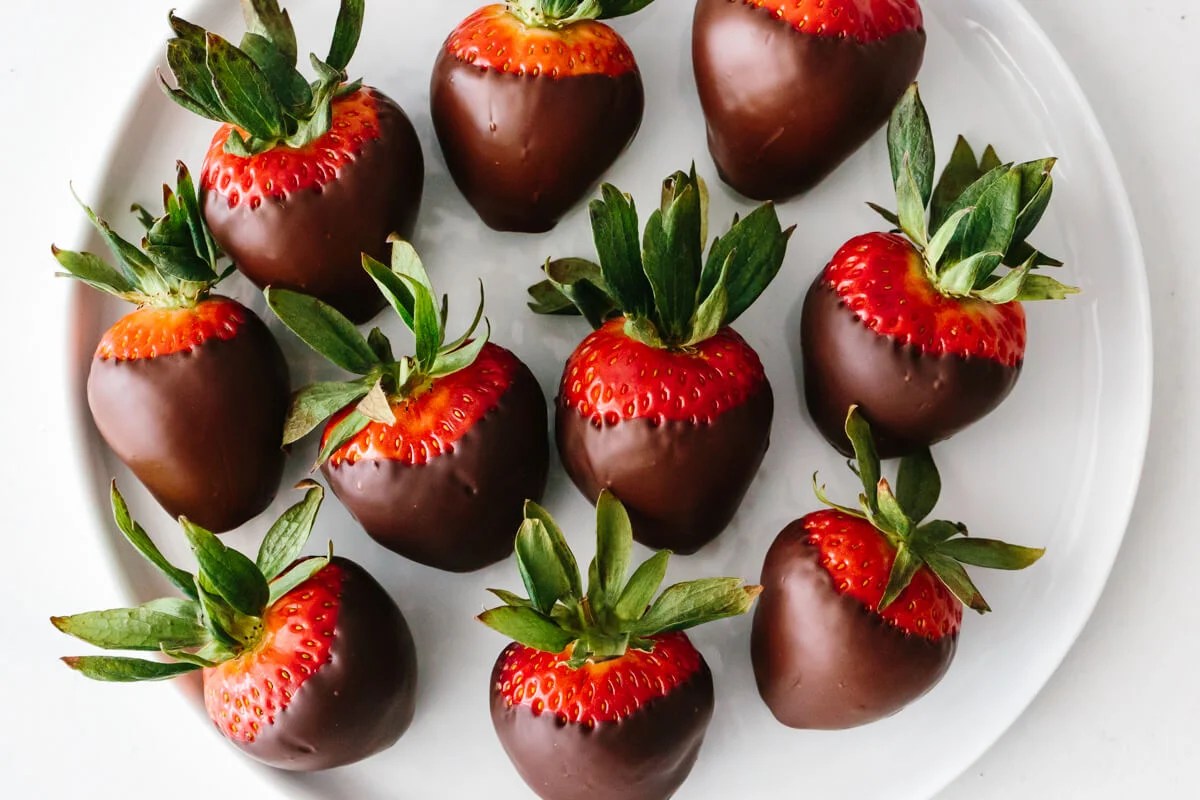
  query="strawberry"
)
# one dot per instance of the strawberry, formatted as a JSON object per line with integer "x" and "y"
{"x": 307, "y": 663}
{"x": 433, "y": 453}
{"x": 918, "y": 329}
{"x": 792, "y": 88}
{"x": 664, "y": 404}
{"x": 189, "y": 390}
{"x": 602, "y": 694}
{"x": 861, "y": 608}
{"x": 532, "y": 101}
{"x": 300, "y": 179}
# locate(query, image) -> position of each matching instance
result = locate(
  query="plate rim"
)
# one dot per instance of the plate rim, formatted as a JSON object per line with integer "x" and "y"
{"x": 81, "y": 431}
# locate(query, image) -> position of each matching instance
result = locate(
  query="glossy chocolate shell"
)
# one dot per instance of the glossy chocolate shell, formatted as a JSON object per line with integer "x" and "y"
{"x": 312, "y": 240}
{"x": 646, "y": 756}
{"x": 821, "y": 659}
{"x": 524, "y": 150}
{"x": 459, "y": 511}
{"x": 359, "y": 702}
{"x": 912, "y": 399}
{"x": 200, "y": 429}
{"x": 784, "y": 109}
{"x": 681, "y": 482}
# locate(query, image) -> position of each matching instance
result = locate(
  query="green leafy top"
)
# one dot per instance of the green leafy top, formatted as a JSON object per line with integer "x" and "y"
{"x": 220, "y": 615}
{"x": 670, "y": 294}
{"x": 176, "y": 264}
{"x": 385, "y": 379}
{"x": 899, "y": 515}
{"x": 256, "y": 86}
{"x": 561, "y": 13}
{"x": 616, "y": 613}
{"x": 981, "y": 212}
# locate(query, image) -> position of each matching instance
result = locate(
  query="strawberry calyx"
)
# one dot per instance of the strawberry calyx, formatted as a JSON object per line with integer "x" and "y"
{"x": 670, "y": 295}
{"x": 616, "y": 613}
{"x": 385, "y": 379}
{"x": 899, "y": 516}
{"x": 220, "y": 616}
{"x": 256, "y": 86}
{"x": 176, "y": 264}
{"x": 556, "y": 14}
{"x": 981, "y": 213}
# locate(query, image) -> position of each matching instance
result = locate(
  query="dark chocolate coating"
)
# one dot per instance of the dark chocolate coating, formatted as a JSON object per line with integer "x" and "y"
{"x": 681, "y": 483}
{"x": 785, "y": 109}
{"x": 312, "y": 240}
{"x": 821, "y": 659}
{"x": 912, "y": 399}
{"x": 200, "y": 429}
{"x": 459, "y": 511}
{"x": 360, "y": 701}
{"x": 524, "y": 150}
{"x": 646, "y": 756}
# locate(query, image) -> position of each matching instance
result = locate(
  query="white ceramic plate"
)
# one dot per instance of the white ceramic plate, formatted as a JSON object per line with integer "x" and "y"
{"x": 1057, "y": 465}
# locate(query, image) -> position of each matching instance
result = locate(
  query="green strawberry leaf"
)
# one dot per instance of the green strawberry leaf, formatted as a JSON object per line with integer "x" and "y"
{"x": 264, "y": 18}
{"x": 888, "y": 215}
{"x": 470, "y": 331}
{"x": 346, "y": 429}
{"x": 615, "y": 230}
{"x": 346, "y": 33}
{"x": 573, "y": 286}
{"x": 232, "y": 576}
{"x": 956, "y": 579}
{"x": 243, "y": 90}
{"x": 642, "y": 586}
{"x": 528, "y": 627}
{"x": 614, "y": 551}
{"x": 711, "y": 315}
{"x": 686, "y": 605}
{"x": 1043, "y": 287}
{"x": 961, "y": 279}
{"x": 990, "y": 553}
{"x": 545, "y": 576}
{"x": 407, "y": 262}
{"x": 890, "y": 510}
{"x": 942, "y": 239}
{"x": 559, "y": 541}
{"x": 990, "y": 225}
{"x": 672, "y": 254}
{"x": 224, "y": 624}
{"x": 136, "y": 535}
{"x": 125, "y": 670}
{"x": 293, "y": 91}
{"x": 910, "y": 139}
{"x": 94, "y": 271}
{"x": 287, "y": 537}
{"x": 314, "y": 404}
{"x": 324, "y": 329}
{"x": 904, "y": 569}
{"x": 427, "y": 324}
{"x": 866, "y": 458}
{"x": 918, "y": 485}
{"x": 297, "y": 575}
{"x": 910, "y": 206}
{"x": 393, "y": 288}
{"x": 1007, "y": 288}
{"x": 141, "y": 628}
{"x": 510, "y": 599}
{"x": 934, "y": 533}
{"x": 447, "y": 363}
{"x": 381, "y": 346}
{"x": 961, "y": 171}
{"x": 754, "y": 249}
{"x": 187, "y": 60}
{"x": 610, "y": 9}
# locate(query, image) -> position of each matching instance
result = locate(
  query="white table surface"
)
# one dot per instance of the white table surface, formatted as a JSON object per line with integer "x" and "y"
{"x": 1119, "y": 719}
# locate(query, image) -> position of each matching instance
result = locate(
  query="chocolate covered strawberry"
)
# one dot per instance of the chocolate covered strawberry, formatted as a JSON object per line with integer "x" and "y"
{"x": 190, "y": 389}
{"x": 920, "y": 329}
{"x": 302, "y": 178}
{"x": 861, "y": 607}
{"x": 307, "y": 663}
{"x": 602, "y": 694}
{"x": 434, "y": 453}
{"x": 791, "y": 88}
{"x": 664, "y": 403}
{"x": 533, "y": 100}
